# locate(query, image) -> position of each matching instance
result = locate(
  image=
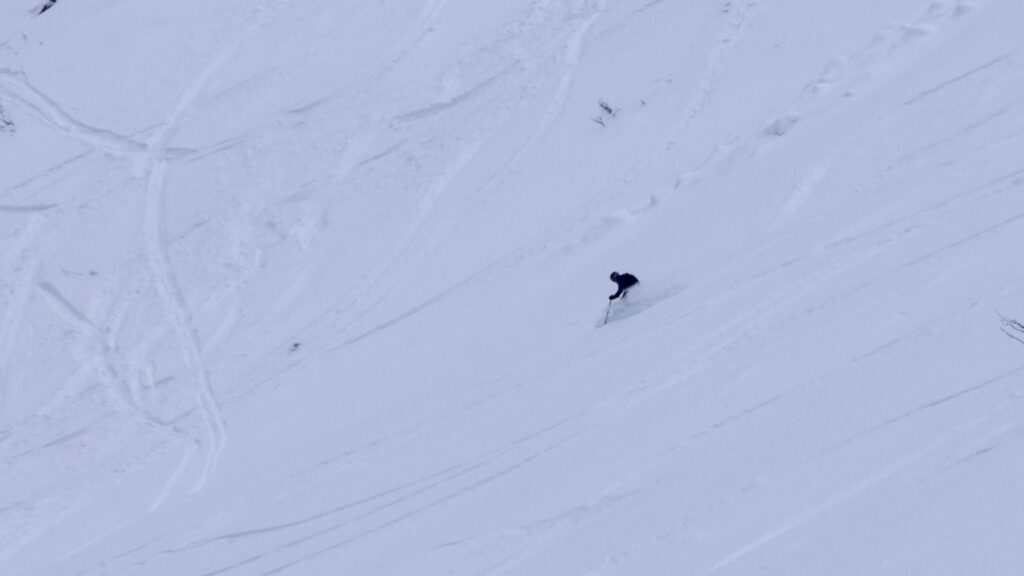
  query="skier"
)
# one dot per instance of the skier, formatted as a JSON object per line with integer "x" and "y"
{"x": 625, "y": 282}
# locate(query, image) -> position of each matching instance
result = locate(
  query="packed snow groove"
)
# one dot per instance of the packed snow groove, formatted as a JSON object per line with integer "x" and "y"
{"x": 317, "y": 288}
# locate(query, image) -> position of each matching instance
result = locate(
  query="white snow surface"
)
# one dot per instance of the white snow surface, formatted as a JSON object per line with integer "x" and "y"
{"x": 315, "y": 288}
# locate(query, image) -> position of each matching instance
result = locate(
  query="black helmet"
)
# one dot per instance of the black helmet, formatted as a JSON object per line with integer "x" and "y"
{"x": 615, "y": 276}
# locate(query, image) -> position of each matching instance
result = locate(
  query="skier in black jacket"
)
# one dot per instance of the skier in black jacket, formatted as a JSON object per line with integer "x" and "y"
{"x": 625, "y": 282}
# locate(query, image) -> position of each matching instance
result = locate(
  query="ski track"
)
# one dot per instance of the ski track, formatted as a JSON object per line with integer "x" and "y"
{"x": 24, "y": 208}
{"x": 649, "y": 392}
{"x": 409, "y": 500}
{"x": 24, "y": 264}
{"x": 899, "y": 466}
{"x": 413, "y": 241}
{"x": 453, "y": 102}
{"x": 531, "y": 539}
{"x": 958, "y": 78}
{"x": 15, "y": 88}
{"x": 176, "y": 312}
{"x": 52, "y": 170}
{"x": 843, "y": 495}
{"x": 813, "y": 513}
{"x": 120, "y": 373}
{"x": 770, "y": 401}
{"x": 426, "y": 21}
{"x": 722, "y": 335}
{"x": 733, "y": 34}
{"x": 172, "y": 299}
{"x": 618, "y": 405}
{"x": 476, "y": 473}
{"x": 188, "y": 455}
{"x": 804, "y": 188}
{"x": 844, "y": 75}
{"x": 101, "y": 362}
{"x": 429, "y": 506}
{"x": 414, "y": 248}
{"x": 583, "y": 422}
{"x": 611, "y": 407}
{"x": 597, "y": 206}
{"x": 572, "y": 54}
{"x": 104, "y": 360}
{"x": 778, "y": 477}
{"x": 371, "y": 131}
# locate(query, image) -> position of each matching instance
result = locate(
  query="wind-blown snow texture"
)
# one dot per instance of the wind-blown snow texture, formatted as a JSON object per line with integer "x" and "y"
{"x": 310, "y": 288}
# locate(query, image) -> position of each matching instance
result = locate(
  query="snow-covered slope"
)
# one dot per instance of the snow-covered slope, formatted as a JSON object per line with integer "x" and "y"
{"x": 314, "y": 288}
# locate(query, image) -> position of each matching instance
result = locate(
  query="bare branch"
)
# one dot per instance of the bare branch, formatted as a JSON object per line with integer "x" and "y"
{"x": 1012, "y": 328}
{"x": 607, "y": 108}
{"x": 1011, "y": 323}
{"x": 46, "y": 6}
{"x": 1011, "y": 335}
{"x": 6, "y": 124}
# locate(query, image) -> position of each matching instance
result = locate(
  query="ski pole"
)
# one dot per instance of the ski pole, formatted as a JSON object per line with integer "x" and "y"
{"x": 606, "y": 311}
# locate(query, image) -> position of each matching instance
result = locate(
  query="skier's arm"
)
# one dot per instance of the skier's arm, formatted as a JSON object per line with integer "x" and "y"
{"x": 617, "y": 293}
